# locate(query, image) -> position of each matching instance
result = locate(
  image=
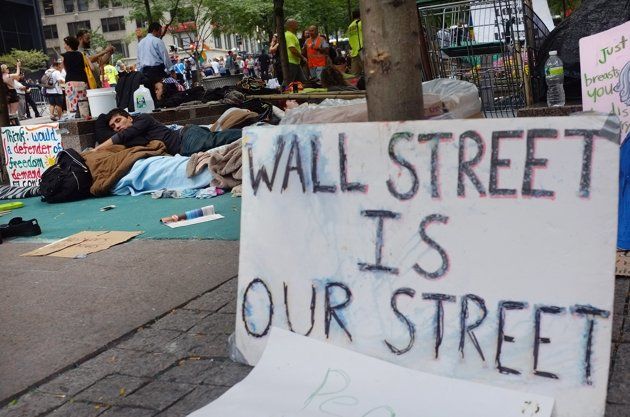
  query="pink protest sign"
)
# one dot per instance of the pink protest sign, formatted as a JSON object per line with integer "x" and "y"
{"x": 605, "y": 67}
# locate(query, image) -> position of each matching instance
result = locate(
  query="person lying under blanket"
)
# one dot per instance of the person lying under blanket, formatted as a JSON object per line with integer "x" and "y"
{"x": 142, "y": 128}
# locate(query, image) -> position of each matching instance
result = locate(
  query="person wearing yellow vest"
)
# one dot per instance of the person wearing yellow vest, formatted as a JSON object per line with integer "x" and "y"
{"x": 355, "y": 39}
{"x": 293, "y": 52}
{"x": 111, "y": 75}
{"x": 316, "y": 51}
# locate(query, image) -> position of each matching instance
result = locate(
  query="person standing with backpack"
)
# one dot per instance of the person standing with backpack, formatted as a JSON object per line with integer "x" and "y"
{"x": 52, "y": 81}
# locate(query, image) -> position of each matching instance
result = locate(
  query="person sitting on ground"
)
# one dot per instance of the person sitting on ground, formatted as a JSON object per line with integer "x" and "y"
{"x": 142, "y": 128}
{"x": 333, "y": 80}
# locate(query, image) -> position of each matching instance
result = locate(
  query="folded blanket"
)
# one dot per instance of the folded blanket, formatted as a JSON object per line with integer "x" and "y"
{"x": 225, "y": 164}
{"x": 234, "y": 118}
{"x": 157, "y": 173}
{"x": 110, "y": 164}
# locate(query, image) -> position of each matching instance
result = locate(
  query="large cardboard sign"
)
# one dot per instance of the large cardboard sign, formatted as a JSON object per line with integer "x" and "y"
{"x": 475, "y": 249}
{"x": 29, "y": 151}
{"x": 299, "y": 376}
{"x": 605, "y": 68}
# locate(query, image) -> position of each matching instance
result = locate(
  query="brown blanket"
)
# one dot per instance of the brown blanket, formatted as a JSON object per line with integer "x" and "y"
{"x": 225, "y": 165}
{"x": 110, "y": 164}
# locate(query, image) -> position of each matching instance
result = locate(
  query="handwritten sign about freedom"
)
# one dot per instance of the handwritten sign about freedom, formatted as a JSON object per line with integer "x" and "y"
{"x": 299, "y": 376}
{"x": 29, "y": 151}
{"x": 605, "y": 67}
{"x": 475, "y": 249}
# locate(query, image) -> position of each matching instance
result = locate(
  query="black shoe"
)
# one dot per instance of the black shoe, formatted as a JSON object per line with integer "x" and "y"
{"x": 19, "y": 227}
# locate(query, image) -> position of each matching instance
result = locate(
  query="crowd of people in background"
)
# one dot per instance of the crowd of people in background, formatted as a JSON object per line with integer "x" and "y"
{"x": 311, "y": 57}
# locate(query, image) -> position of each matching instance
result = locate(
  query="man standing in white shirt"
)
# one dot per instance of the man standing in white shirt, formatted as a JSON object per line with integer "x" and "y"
{"x": 54, "y": 92}
{"x": 153, "y": 59}
{"x": 216, "y": 67}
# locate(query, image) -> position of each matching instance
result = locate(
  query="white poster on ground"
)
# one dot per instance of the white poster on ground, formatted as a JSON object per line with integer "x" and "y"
{"x": 476, "y": 249}
{"x": 29, "y": 151}
{"x": 298, "y": 376}
{"x": 605, "y": 68}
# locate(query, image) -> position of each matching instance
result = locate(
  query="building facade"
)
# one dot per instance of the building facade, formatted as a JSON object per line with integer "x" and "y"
{"x": 20, "y": 26}
{"x": 61, "y": 18}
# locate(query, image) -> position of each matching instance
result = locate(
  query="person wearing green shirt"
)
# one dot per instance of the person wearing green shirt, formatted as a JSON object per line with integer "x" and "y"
{"x": 293, "y": 52}
{"x": 355, "y": 39}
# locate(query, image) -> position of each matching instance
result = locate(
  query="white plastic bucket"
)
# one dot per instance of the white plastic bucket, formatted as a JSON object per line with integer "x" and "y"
{"x": 101, "y": 100}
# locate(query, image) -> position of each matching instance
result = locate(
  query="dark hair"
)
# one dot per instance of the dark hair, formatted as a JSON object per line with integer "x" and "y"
{"x": 72, "y": 42}
{"x": 82, "y": 32}
{"x": 356, "y": 13}
{"x": 116, "y": 112}
{"x": 154, "y": 26}
{"x": 331, "y": 77}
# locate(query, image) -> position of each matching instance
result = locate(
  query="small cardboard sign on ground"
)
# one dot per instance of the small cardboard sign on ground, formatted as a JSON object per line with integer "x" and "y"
{"x": 29, "y": 151}
{"x": 299, "y": 376}
{"x": 481, "y": 250}
{"x": 84, "y": 243}
{"x": 605, "y": 68}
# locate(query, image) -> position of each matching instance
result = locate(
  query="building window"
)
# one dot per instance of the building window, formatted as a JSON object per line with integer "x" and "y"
{"x": 50, "y": 32}
{"x": 217, "y": 42}
{"x": 74, "y": 27}
{"x": 117, "y": 3}
{"x": 112, "y": 24}
{"x": 83, "y": 5}
{"x": 68, "y": 6}
{"x": 228, "y": 41}
{"x": 49, "y": 7}
{"x": 121, "y": 48}
{"x": 103, "y": 4}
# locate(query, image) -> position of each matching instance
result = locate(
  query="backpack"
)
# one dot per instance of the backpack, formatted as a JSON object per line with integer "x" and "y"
{"x": 68, "y": 180}
{"x": 47, "y": 80}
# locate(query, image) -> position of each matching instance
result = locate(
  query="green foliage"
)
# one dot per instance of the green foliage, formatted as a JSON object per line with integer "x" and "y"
{"x": 243, "y": 17}
{"x": 329, "y": 15}
{"x": 557, "y": 6}
{"x": 31, "y": 60}
{"x": 97, "y": 40}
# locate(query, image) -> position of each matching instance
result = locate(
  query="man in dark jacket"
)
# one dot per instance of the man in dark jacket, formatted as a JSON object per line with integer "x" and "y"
{"x": 142, "y": 128}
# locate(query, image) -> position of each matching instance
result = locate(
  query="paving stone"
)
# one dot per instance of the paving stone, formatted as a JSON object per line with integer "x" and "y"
{"x": 622, "y": 288}
{"x": 215, "y": 323}
{"x": 132, "y": 362}
{"x": 188, "y": 371}
{"x": 158, "y": 395}
{"x": 77, "y": 409}
{"x": 621, "y": 369}
{"x": 189, "y": 344}
{"x": 226, "y": 373}
{"x": 180, "y": 320}
{"x": 616, "y": 410}
{"x": 619, "y": 393}
{"x": 212, "y": 301}
{"x": 32, "y": 404}
{"x": 149, "y": 340}
{"x": 73, "y": 381}
{"x": 229, "y": 308}
{"x": 200, "y": 397}
{"x": 111, "y": 389}
{"x": 128, "y": 412}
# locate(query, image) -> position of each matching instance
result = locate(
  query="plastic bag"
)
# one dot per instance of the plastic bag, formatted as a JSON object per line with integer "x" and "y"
{"x": 273, "y": 83}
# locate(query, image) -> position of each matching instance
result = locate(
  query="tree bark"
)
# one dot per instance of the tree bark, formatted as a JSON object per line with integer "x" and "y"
{"x": 278, "y": 13}
{"x": 147, "y": 6}
{"x": 392, "y": 64}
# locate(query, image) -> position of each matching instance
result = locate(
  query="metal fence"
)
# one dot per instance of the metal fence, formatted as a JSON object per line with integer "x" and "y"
{"x": 490, "y": 43}
{"x": 39, "y": 98}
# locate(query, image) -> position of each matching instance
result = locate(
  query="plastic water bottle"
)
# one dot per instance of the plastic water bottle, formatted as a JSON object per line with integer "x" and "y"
{"x": 554, "y": 75}
{"x": 142, "y": 100}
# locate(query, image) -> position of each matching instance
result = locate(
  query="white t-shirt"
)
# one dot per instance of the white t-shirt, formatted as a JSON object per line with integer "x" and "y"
{"x": 19, "y": 88}
{"x": 215, "y": 67}
{"x": 56, "y": 77}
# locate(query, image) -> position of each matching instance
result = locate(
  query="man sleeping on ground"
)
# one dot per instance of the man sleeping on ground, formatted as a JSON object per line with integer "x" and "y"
{"x": 142, "y": 128}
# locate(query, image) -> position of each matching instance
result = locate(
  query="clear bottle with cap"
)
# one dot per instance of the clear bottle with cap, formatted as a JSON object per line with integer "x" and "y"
{"x": 554, "y": 76}
{"x": 142, "y": 100}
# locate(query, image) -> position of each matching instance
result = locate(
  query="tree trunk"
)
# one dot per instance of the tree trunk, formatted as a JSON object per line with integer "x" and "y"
{"x": 278, "y": 13}
{"x": 147, "y": 6}
{"x": 392, "y": 62}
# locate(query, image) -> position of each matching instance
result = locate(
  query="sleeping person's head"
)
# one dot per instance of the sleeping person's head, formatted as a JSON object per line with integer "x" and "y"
{"x": 119, "y": 120}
